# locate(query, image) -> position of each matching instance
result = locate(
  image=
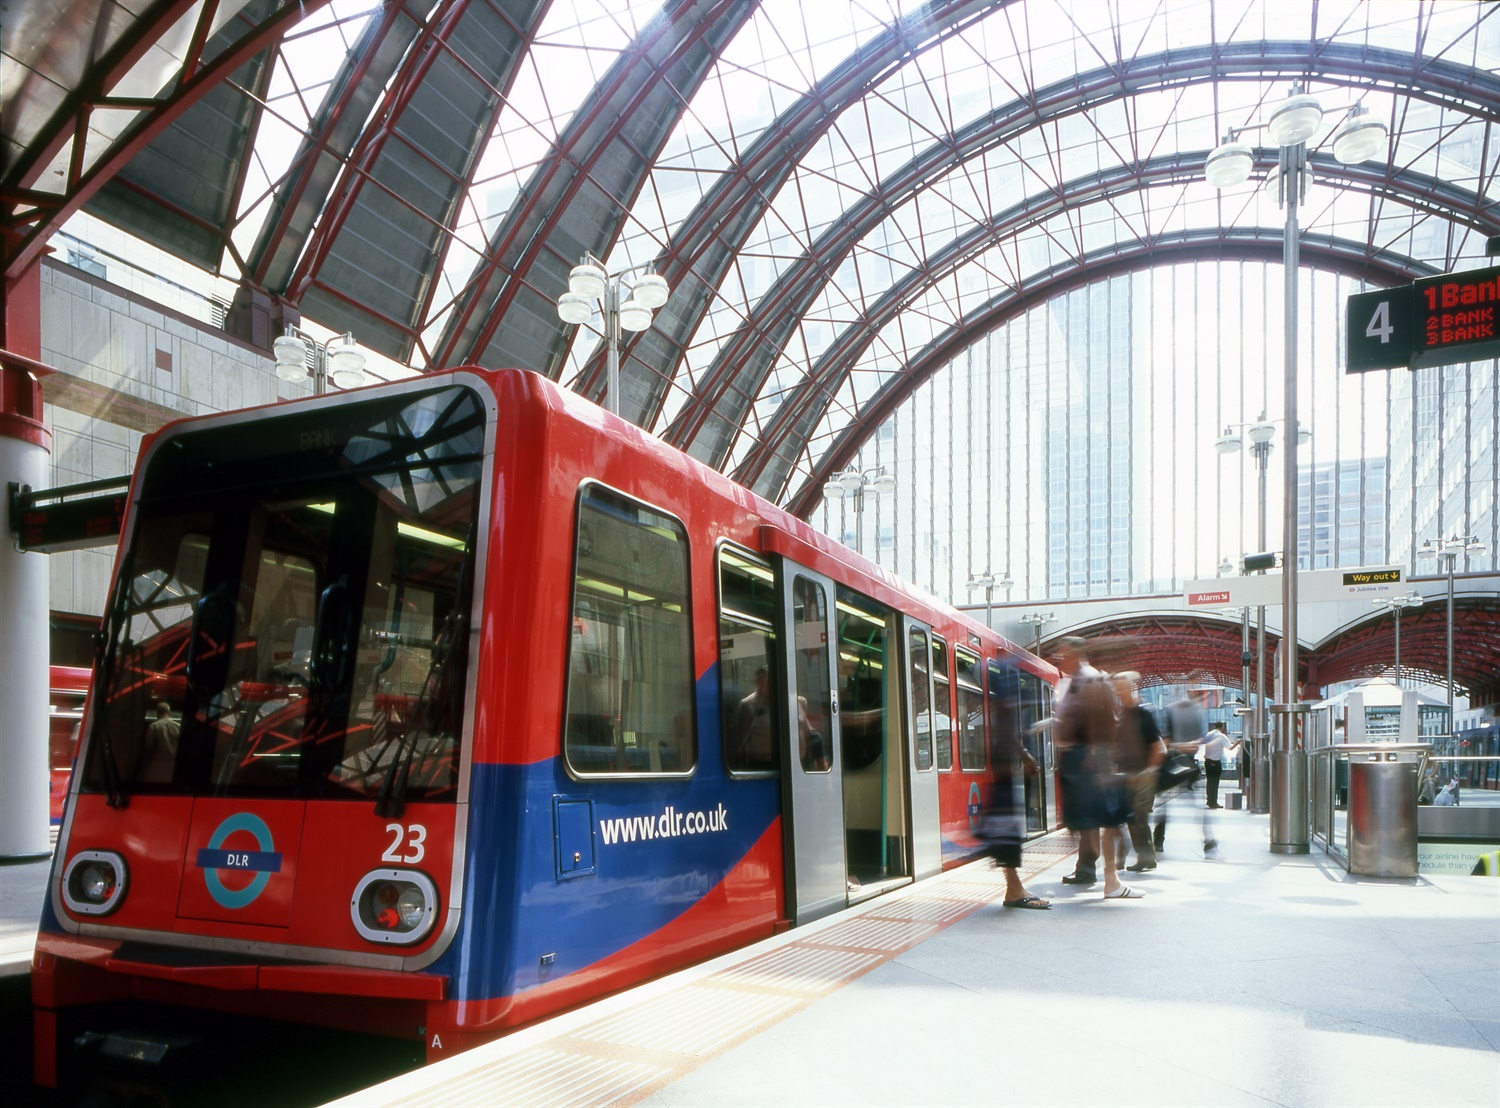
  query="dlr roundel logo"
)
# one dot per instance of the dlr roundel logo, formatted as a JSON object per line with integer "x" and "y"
{"x": 216, "y": 861}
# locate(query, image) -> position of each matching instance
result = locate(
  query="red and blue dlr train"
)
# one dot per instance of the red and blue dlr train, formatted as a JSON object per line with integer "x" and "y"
{"x": 432, "y": 708}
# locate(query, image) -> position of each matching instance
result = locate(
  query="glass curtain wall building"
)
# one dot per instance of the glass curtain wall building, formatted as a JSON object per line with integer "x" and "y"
{"x": 1074, "y": 448}
{"x": 970, "y": 241}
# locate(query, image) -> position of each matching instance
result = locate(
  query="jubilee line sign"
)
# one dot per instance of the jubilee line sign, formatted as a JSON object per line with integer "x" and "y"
{"x": 1454, "y": 317}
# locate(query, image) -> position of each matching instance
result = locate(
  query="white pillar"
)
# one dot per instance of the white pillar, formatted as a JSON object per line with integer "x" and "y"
{"x": 24, "y": 640}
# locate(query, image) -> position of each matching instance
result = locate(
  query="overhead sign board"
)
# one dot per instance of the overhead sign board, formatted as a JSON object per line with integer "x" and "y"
{"x": 1443, "y": 320}
{"x": 1379, "y": 329}
{"x": 1456, "y": 317}
{"x": 1233, "y": 592}
{"x": 1315, "y": 586}
{"x": 70, "y": 525}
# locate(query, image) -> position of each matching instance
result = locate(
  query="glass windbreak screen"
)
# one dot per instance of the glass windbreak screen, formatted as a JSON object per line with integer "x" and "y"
{"x": 630, "y": 667}
{"x": 292, "y": 611}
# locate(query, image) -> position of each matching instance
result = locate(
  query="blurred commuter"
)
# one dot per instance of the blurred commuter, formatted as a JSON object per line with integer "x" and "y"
{"x": 1003, "y": 822}
{"x": 1139, "y": 753}
{"x": 1188, "y": 734}
{"x": 1187, "y": 725}
{"x": 1084, "y": 732}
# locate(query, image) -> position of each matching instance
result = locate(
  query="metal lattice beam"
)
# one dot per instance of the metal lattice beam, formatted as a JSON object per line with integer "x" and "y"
{"x": 33, "y": 216}
{"x": 723, "y": 397}
{"x": 1218, "y": 244}
{"x": 315, "y": 168}
{"x": 577, "y": 199}
{"x": 706, "y": 243}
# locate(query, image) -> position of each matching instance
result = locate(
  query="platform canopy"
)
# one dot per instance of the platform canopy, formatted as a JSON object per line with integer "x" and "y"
{"x": 842, "y": 195}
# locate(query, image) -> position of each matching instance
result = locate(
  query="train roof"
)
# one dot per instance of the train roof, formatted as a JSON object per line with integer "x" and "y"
{"x": 782, "y": 532}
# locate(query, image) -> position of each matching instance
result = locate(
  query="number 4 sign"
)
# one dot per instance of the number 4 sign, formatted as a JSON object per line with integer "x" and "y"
{"x": 1379, "y": 330}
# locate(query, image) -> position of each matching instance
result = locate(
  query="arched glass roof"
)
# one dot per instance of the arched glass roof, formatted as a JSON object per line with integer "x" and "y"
{"x": 842, "y": 195}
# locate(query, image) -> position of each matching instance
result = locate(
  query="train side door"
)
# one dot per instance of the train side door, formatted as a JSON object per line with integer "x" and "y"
{"x": 1036, "y": 708}
{"x": 813, "y": 798}
{"x": 920, "y": 736}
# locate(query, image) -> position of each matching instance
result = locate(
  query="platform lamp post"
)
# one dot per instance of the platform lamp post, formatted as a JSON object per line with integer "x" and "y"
{"x": 987, "y": 582}
{"x": 1358, "y": 138}
{"x": 1394, "y": 604}
{"x": 590, "y": 287}
{"x": 1262, "y": 437}
{"x": 1447, "y": 551}
{"x": 338, "y": 358}
{"x": 1036, "y": 621}
{"x": 853, "y": 484}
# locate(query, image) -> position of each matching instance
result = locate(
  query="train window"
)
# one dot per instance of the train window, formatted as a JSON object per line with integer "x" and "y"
{"x": 970, "y": 714}
{"x": 810, "y": 661}
{"x": 1006, "y": 691}
{"x": 292, "y": 612}
{"x": 747, "y": 664}
{"x": 630, "y": 671}
{"x": 921, "y": 701}
{"x": 943, "y": 700}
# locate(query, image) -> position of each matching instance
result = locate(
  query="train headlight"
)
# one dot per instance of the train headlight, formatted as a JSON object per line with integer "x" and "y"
{"x": 411, "y": 907}
{"x": 394, "y": 906}
{"x": 94, "y": 882}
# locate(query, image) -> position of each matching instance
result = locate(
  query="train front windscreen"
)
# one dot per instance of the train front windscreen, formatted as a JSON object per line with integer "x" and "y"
{"x": 291, "y": 615}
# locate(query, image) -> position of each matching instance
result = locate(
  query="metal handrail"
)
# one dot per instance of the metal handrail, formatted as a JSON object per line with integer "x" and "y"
{"x": 1367, "y": 748}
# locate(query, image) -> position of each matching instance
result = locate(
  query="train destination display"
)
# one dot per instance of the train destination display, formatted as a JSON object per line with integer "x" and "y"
{"x": 1442, "y": 320}
{"x": 1455, "y": 317}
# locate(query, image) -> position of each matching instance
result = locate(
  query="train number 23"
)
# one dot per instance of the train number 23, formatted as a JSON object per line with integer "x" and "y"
{"x": 411, "y": 837}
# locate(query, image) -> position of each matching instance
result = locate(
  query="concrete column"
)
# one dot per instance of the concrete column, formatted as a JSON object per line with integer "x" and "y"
{"x": 24, "y": 632}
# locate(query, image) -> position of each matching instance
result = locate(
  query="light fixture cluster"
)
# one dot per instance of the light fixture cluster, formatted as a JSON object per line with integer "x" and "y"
{"x": 989, "y": 581}
{"x": 1260, "y": 432}
{"x": 1450, "y": 549}
{"x": 587, "y": 284}
{"x": 855, "y": 481}
{"x": 1295, "y": 120}
{"x": 298, "y": 354}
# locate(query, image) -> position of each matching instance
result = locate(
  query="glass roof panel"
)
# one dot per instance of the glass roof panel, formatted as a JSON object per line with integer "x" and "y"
{"x": 914, "y": 115}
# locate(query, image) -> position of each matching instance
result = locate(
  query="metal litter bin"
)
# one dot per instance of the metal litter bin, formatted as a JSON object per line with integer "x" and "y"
{"x": 1382, "y": 822}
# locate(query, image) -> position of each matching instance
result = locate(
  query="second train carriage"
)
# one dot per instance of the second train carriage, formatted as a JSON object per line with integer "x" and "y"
{"x": 488, "y": 703}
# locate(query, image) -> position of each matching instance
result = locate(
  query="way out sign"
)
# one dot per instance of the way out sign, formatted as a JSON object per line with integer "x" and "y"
{"x": 1380, "y": 330}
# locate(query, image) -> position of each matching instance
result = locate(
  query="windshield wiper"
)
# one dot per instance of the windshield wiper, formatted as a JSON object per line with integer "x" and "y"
{"x": 391, "y": 799}
{"x": 104, "y": 668}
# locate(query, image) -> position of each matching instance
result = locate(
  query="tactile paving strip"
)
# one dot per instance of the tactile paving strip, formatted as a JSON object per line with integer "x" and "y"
{"x": 915, "y": 908}
{"x": 873, "y": 933}
{"x": 802, "y": 969}
{"x": 623, "y": 1058}
{"x": 548, "y": 1077}
{"x": 696, "y": 1021}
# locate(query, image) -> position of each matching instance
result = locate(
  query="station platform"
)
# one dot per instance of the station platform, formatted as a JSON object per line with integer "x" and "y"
{"x": 1249, "y": 979}
{"x": 23, "y": 885}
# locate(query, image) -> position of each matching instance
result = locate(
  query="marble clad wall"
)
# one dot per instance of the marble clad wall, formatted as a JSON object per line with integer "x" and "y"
{"x": 124, "y": 367}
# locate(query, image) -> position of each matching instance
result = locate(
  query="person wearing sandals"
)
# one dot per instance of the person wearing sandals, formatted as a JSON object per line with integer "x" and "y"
{"x": 1003, "y": 822}
{"x": 1084, "y": 733}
